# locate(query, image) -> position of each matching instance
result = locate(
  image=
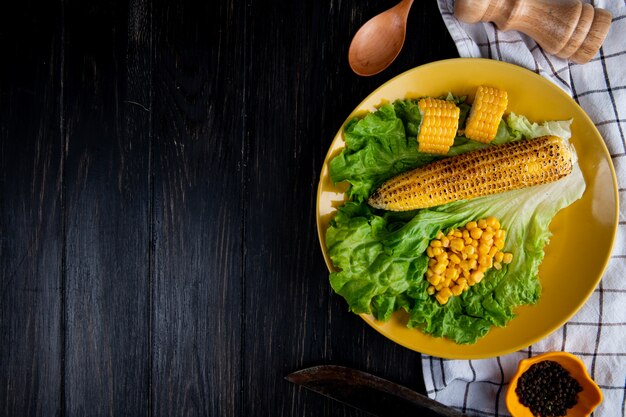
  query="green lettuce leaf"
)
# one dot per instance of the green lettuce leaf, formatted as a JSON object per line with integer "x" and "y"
{"x": 380, "y": 257}
{"x": 377, "y": 148}
{"x": 384, "y": 143}
{"x": 520, "y": 125}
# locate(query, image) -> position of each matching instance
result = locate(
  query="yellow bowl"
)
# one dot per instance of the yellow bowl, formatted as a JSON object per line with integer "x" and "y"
{"x": 588, "y": 399}
{"x": 583, "y": 233}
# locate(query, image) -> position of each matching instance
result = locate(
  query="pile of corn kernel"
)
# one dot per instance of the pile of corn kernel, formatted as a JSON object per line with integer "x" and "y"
{"x": 460, "y": 259}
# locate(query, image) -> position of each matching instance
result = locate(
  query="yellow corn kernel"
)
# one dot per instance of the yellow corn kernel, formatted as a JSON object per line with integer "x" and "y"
{"x": 457, "y": 290}
{"x": 473, "y": 263}
{"x": 452, "y": 273}
{"x": 430, "y": 290}
{"x": 442, "y": 258}
{"x": 476, "y": 233}
{"x": 486, "y": 261}
{"x": 498, "y": 243}
{"x": 445, "y": 292}
{"x": 507, "y": 258}
{"x": 440, "y": 122}
{"x": 429, "y": 252}
{"x": 487, "y": 109}
{"x": 441, "y": 299}
{"x": 457, "y": 244}
{"x": 449, "y": 273}
{"x": 493, "y": 223}
{"x": 439, "y": 268}
{"x": 471, "y": 225}
{"x": 477, "y": 276}
{"x": 459, "y": 265}
{"x": 439, "y": 234}
{"x": 454, "y": 258}
{"x": 487, "y": 236}
{"x": 435, "y": 279}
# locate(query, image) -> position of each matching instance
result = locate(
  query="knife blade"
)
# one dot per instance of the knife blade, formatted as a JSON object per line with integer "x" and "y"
{"x": 368, "y": 392}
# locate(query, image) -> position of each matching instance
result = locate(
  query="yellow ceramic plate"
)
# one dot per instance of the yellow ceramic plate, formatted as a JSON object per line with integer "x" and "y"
{"x": 583, "y": 233}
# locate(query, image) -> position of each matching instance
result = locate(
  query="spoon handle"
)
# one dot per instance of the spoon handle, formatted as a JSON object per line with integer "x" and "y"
{"x": 568, "y": 29}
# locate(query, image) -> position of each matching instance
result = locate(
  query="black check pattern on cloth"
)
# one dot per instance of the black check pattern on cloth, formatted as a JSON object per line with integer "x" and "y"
{"x": 597, "y": 333}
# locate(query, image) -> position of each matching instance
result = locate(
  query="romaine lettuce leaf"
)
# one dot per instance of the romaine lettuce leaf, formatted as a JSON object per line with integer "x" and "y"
{"x": 377, "y": 148}
{"x": 522, "y": 126}
{"x": 384, "y": 143}
{"x": 380, "y": 256}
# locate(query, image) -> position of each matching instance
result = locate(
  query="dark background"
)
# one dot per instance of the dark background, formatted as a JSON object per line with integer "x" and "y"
{"x": 159, "y": 166}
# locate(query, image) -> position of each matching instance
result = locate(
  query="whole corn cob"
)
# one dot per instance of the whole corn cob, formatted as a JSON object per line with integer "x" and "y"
{"x": 487, "y": 110}
{"x": 440, "y": 122}
{"x": 486, "y": 171}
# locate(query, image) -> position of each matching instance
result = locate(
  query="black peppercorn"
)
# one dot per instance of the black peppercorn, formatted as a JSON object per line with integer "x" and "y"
{"x": 547, "y": 389}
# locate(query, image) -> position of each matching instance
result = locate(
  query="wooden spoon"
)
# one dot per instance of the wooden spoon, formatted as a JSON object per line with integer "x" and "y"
{"x": 379, "y": 41}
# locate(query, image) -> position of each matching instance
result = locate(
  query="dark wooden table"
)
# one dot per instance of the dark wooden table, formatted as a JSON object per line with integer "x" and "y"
{"x": 159, "y": 163}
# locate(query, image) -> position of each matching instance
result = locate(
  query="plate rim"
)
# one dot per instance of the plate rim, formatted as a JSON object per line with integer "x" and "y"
{"x": 368, "y": 318}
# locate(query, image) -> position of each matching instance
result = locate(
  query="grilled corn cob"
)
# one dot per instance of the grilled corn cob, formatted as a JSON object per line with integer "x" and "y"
{"x": 487, "y": 110}
{"x": 486, "y": 171}
{"x": 440, "y": 122}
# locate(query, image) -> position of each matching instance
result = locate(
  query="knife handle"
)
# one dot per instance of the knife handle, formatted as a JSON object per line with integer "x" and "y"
{"x": 568, "y": 29}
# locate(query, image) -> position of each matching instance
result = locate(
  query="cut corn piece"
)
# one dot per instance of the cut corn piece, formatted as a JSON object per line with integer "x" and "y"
{"x": 492, "y": 170}
{"x": 487, "y": 110}
{"x": 440, "y": 122}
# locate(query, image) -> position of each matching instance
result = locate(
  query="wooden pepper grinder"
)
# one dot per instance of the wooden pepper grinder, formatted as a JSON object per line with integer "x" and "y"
{"x": 568, "y": 29}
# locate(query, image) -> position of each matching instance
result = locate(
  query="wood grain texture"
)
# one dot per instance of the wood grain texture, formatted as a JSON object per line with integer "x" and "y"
{"x": 199, "y": 118}
{"x": 569, "y": 29}
{"x": 303, "y": 81}
{"x": 31, "y": 164}
{"x": 159, "y": 168}
{"x": 107, "y": 90}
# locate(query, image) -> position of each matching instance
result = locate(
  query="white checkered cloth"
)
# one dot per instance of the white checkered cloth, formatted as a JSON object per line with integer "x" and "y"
{"x": 597, "y": 333}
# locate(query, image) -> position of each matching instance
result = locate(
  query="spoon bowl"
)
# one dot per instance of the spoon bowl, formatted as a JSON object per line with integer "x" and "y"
{"x": 379, "y": 41}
